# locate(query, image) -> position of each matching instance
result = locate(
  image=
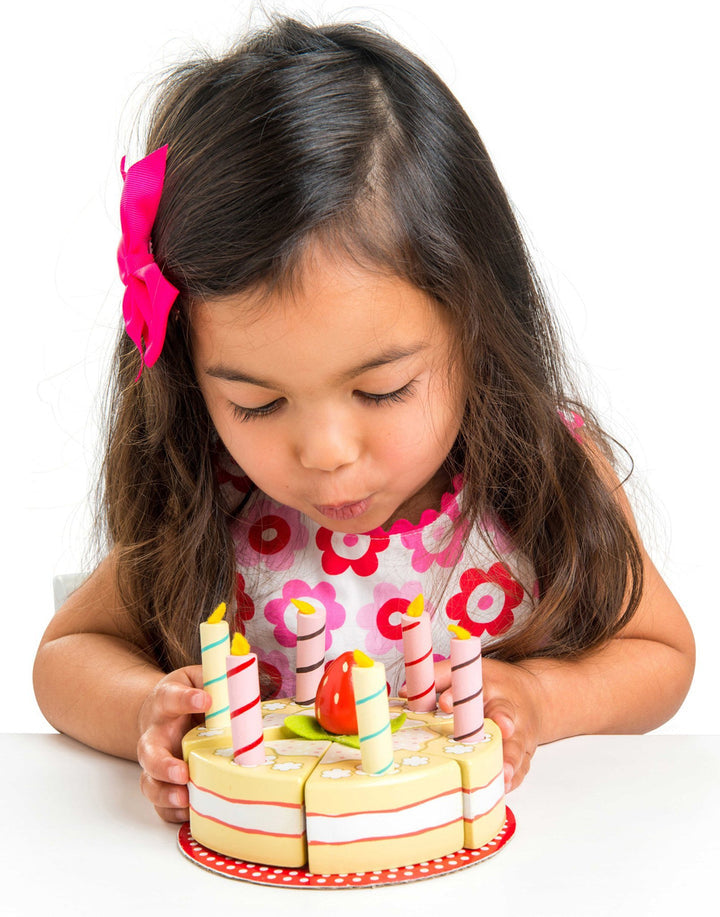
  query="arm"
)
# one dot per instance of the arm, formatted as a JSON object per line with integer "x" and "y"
{"x": 93, "y": 681}
{"x": 632, "y": 684}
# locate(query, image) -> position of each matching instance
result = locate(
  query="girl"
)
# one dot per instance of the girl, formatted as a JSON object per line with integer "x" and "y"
{"x": 338, "y": 381}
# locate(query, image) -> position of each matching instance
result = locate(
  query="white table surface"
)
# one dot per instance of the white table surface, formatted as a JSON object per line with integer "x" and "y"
{"x": 607, "y": 825}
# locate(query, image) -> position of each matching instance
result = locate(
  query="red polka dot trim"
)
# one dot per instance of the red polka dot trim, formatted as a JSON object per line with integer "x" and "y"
{"x": 300, "y": 878}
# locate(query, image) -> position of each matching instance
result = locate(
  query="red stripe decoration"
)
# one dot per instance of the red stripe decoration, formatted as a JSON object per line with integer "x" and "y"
{"x": 419, "y": 659}
{"x": 242, "y": 830}
{"x": 241, "y": 668}
{"x": 245, "y": 709}
{"x": 473, "y": 789}
{"x": 407, "y": 627}
{"x": 241, "y": 710}
{"x": 241, "y": 751}
{"x": 411, "y": 805}
{"x": 245, "y": 802}
{"x": 422, "y": 693}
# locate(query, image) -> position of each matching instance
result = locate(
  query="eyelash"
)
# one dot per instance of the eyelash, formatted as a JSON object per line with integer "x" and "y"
{"x": 398, "y": 396}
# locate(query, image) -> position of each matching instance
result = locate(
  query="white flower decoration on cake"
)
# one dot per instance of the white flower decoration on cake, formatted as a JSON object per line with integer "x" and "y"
{"x": 459, "y": 749}
{"x": 224, "y": 752}
{"x": 415, "y": 761}
{"x": 287, "y": 766}
{"x": 274, "y": 706}
{"x": 204, "y": 731}
{"x": 337, "y": 773}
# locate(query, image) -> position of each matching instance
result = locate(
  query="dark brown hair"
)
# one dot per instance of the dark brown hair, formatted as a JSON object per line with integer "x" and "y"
{"x": 341, "y": 135}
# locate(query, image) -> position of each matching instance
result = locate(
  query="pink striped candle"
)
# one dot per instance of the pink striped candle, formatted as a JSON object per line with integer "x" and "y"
{"x": 245, "y": 710}
{"x": 310, "y": 652}
{"x": 418, "y": 650}
{"x": 467, "y": 687}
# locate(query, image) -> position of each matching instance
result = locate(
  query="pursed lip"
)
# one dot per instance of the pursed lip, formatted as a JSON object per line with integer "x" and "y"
{"x": 343, "y": 511}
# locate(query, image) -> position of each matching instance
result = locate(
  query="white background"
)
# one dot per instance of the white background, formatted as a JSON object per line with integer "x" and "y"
{"x": 601, "y": 119}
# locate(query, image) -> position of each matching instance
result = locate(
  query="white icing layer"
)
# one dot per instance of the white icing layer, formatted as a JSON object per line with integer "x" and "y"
{"x": 391, "y": 823}
{"x": 263, "y": 818}
{"x": 481, "y": 800}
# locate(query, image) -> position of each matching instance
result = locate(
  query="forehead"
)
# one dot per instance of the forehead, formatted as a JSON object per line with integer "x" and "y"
{"x": 337, "y": 311}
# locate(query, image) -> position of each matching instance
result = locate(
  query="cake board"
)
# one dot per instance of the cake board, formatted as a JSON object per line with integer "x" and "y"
{"x": 299, "y": 878}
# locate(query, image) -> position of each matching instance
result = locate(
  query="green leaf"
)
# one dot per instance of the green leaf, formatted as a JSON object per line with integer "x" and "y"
{"x": 307, "y": 727}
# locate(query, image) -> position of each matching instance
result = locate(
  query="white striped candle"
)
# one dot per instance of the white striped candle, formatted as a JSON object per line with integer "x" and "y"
{"x": 245, "y": 709}
{"x": 310, "y": 651}
{"x": 373, "y": 714}
{"x": 418, "y": 652}
{"x": 214, "y": 647}
{"x": 467, "y": 686}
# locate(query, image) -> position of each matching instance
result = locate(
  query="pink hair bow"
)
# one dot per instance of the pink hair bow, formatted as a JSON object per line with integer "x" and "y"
{"x": 148, "y": 295}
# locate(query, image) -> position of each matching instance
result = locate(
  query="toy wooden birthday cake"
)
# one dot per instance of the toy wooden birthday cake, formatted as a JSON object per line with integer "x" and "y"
{"x": 357, "y": 781}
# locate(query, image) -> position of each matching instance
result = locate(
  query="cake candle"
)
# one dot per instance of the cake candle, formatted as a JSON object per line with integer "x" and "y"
{"x": 214, "y": 647}
{"x": 418, "y": 652}
{"x": 245, "y": 710}
{"x": 310, "y": 653}
{"x": 467, "y": 686}
{"x": 373, "y": 714}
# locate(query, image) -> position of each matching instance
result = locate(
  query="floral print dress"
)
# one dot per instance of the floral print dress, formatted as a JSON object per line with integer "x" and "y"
{"x": 365, "y": 582}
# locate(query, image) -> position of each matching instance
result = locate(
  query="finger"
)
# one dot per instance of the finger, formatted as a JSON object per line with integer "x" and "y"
{"x": 515, "y": 773}
{"x": 159, "y": 764}
{"x": 442, "y": 674}
{"x": 174, "y": 816}
{"x": 445, "y": 701}
{"x": 173, "y": 700}
{"x": 164, "y": 795}
{"x": 503, "y": 712}
{"x": 522, "y": 771}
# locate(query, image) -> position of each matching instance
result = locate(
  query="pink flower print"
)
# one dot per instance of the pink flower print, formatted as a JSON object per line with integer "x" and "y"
{"x": 358, "y": 552}
{"x": 283, "y": 614}
{"x": 270, "y": 534}
{"x": 245, "y": 606}
{"x": 381, "y": 617}
{"x": 486, "y": 601}
{"x": 438, "y": 540}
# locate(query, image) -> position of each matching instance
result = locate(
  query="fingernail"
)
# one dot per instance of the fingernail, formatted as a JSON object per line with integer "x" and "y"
{"x": 177, "y": 775}
{"x": 198, "y": 701}
{"x": 509, "y": 774}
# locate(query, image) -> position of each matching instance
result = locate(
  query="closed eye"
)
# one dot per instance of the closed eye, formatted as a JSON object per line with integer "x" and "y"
{"x": 265, "y": 410}
{"x": 242, "y": 414}
{"x": 399, "y": 395}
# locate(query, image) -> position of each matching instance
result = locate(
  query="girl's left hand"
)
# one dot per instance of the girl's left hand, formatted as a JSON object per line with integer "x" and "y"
{"x": 512, "y": 699}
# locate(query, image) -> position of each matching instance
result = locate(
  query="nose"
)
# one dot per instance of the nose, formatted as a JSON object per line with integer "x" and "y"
{"x": 328, "y": 442}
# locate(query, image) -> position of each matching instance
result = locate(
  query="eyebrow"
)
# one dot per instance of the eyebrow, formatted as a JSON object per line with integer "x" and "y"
{"x": 393, "y": 355}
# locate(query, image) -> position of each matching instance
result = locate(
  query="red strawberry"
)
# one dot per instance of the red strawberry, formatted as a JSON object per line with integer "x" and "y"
{"x": 335, "y": 698}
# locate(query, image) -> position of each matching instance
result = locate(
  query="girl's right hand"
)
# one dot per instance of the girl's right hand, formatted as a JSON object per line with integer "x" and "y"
{"x": 167, "y": 713}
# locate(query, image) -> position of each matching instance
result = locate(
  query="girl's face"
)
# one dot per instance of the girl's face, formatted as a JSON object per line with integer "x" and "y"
{"x": 339, "y": 399}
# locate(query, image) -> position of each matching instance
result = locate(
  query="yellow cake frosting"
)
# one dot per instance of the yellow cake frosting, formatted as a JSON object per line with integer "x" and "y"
{"x": 311, "y": 803}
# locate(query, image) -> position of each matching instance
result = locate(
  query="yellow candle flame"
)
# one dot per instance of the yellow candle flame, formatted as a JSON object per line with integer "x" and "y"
{"x": 305, "y": 608}
{"x": 362, "y": 660}
{"x": 459, "y": 632}
{"x": 415, "y": 608}
{"x": 217, "y": 616}
{"x": 240, "y": 646}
